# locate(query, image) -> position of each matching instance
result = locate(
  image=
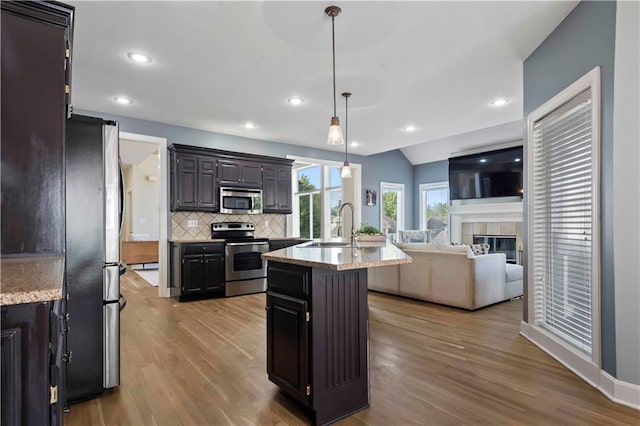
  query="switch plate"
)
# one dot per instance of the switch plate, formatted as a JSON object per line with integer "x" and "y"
{"x": 192, "y": 223}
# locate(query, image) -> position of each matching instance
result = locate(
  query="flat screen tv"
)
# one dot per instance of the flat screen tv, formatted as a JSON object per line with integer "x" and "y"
{"x": 486, "y": 175}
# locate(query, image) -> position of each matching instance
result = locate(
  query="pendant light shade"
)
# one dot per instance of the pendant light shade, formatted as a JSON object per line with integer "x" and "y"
{"x": 335, "y": 133}
{"x": 345, "y": 171}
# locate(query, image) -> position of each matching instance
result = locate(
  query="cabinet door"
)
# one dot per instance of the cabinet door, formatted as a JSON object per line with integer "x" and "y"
{"x": 251, "y": 174}
{"x": 192, "y": 274}
{"x": 214, "y": 272}
{"x": 207, "y": 198}
{"x": 187, "y": 181}
{"x": 287, "y": 344}
{"x": 269, "y": 202}
{"x": 228, "y": 172}
{"x": 283, "y": 189}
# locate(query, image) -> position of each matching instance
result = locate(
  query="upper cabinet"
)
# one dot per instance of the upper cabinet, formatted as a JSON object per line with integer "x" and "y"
{"x": 240, "y": 173}
{"x": 36, "y": 63}
{"x": 193, "y": 182}
{"x": 276, "y": 191}
{"x": 198, "y": 173}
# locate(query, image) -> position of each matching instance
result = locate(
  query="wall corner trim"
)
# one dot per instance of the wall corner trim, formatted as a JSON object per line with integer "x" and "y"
{"x": 620, "y": 392}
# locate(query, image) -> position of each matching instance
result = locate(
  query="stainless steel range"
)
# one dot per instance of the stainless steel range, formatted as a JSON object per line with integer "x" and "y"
{"x": 245, "y": 271}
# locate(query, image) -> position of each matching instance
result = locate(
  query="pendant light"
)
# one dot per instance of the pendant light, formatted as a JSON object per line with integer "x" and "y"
{"x": 335, "y": 133}
{"x": 345, "y": 172}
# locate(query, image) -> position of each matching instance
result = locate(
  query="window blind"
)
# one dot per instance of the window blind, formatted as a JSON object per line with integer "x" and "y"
{"x": 562, "y": 221}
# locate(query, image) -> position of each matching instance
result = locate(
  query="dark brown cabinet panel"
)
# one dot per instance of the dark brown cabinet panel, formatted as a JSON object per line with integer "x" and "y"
{"x": 214, "y": 272}
{"x": 192, "y": 274}
{"x": 196, "y": 269}
{"x": 276, "y": 191}
{"x": 239, "y": 173}
{"x": 187, "y": 181}
{"x": 322, "y": 315}
{"x": 31, "y": 354}
{"x": 193, "y": 182}
{"x": 35, "y": 78}
{"x": 207, "y": 183}
{"x": 287, "y": 344}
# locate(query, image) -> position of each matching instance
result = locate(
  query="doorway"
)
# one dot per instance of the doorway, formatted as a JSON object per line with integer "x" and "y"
{"x": 146, "y": 227}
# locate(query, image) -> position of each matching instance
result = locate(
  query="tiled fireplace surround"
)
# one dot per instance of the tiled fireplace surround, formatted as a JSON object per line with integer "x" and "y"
{"x": 267, "y": 225}
{"x": 486, "y": 218}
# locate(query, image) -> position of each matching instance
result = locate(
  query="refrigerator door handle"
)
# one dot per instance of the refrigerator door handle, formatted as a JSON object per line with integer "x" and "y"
{"x": 111, "y": 283}
{"x": 111, "y": 342}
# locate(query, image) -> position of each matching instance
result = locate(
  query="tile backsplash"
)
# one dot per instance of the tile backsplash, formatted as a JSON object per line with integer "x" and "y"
{"x": 267, "y": 225}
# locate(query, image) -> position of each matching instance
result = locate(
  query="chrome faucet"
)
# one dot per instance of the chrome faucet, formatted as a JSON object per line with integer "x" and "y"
{"x": 353, "y": 234}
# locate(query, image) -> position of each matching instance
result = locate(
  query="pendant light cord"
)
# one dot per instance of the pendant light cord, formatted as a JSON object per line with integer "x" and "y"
{"x": 333, "y": 47}
{"x": 346, "y": 126}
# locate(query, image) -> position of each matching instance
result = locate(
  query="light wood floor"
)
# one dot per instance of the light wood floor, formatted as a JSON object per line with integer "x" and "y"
{"x": 203, "y": 363}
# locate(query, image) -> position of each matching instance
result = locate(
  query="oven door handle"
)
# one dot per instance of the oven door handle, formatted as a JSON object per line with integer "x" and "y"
{"x": 264, "y": 243}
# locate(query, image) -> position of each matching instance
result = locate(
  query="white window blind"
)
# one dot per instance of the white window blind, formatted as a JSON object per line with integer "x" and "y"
{"x": 563, "y": 221}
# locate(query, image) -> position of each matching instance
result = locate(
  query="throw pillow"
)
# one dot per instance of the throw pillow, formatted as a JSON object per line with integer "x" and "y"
{"x": 479, "y": 249}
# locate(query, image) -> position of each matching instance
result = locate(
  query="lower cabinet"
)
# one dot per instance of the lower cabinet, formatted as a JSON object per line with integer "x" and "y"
{"x": 317, "y": 334}
{"x": 33, "y": 361}
{"x": 196, "y": 269}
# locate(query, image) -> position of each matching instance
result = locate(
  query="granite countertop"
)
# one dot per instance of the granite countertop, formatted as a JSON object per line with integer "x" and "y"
{"x": 288, "y": 239}
{"x": 341, "y": 258}
{"x": 31, "y": 279}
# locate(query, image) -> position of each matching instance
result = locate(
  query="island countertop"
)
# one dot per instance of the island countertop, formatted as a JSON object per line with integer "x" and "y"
{"x": 31, "y": 279}
{"x": 340, "y": 258}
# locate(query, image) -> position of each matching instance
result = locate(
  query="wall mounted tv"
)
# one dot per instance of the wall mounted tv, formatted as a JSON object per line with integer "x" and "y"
{"x": 486, "y": 175}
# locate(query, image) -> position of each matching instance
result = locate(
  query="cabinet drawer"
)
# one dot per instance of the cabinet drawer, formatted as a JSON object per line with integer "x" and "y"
{"x": 292, "y": 280}
{"x": 202, "y": 248}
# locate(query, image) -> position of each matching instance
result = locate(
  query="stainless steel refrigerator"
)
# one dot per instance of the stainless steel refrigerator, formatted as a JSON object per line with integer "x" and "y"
{"x": 94, "y": 213}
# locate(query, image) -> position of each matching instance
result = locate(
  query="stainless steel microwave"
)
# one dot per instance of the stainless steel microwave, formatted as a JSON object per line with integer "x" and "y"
{"x": 240, "y": 201}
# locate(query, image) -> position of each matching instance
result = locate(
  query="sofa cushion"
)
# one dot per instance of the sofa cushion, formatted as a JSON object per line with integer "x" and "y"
{"x": 413, "y": 236}
{"x": 513, "y": 272}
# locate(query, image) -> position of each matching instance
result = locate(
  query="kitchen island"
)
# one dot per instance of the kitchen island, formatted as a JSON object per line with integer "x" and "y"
{"x": 317, "y": 323}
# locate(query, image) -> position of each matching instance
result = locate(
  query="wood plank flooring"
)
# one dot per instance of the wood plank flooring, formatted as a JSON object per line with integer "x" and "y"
{"x": 203, "y": 363}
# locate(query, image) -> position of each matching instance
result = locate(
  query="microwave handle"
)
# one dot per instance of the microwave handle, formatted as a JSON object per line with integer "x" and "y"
{"x": 261, "y": 243}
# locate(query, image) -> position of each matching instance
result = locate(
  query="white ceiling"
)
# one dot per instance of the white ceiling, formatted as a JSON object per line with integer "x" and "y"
{"x": 436, "y": 65}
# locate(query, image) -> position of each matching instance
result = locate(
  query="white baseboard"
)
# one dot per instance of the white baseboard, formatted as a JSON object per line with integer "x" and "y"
{"x": 616, "y": 390}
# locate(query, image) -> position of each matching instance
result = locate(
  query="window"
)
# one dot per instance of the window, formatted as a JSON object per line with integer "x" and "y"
{"x": 434, "y": 210}
{"x": 391, "y": 208}
{"x": 563, "y": 216}
{"x": 316, "y": 201}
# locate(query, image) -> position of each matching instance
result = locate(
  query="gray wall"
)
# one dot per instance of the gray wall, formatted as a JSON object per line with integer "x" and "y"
{"x": 391, "y": 166}
{"x": 437, "y": 171}
{"x": 584, "y": 40}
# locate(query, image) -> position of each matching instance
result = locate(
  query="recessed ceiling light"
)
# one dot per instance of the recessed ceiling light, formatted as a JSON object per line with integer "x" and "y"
{"x": 410, "y": 128}
{"x": 483, "y": 160}
{"x": 498, "y": 102}
{"x": 517, "y": 160}
{"x": 296, "y": 100}
{"x": 354, "y": 144}
{"x": 140, "y": 58}
{"x": 249, "y": 125}
{"x": 123, "y": 100}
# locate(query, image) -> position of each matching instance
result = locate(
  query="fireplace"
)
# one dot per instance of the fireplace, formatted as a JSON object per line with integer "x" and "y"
{"x": 499, "y": 244}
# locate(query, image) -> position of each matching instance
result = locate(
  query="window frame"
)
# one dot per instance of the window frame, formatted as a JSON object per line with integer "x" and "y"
{"x": 393, "y": 186}
{"x": 431, "y": 186}
{"x": 551, "y": 342}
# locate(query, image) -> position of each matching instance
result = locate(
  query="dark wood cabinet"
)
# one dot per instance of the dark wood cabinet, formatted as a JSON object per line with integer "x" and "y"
{"x": 239, "y": 173}
{"x": 288, "y": 344}
{"x": 193, "y": 182}
{"x": 32, "y": 348}
{"x": 36, "y": 52}
{"x": 276, "y": 192}
{"x": 317, "y": 334}
{"x": 196, "y": 269}
{"x": 198, "y": 173}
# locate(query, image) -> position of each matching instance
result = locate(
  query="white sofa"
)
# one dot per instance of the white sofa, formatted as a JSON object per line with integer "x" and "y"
{"x": 449, "y": 275}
